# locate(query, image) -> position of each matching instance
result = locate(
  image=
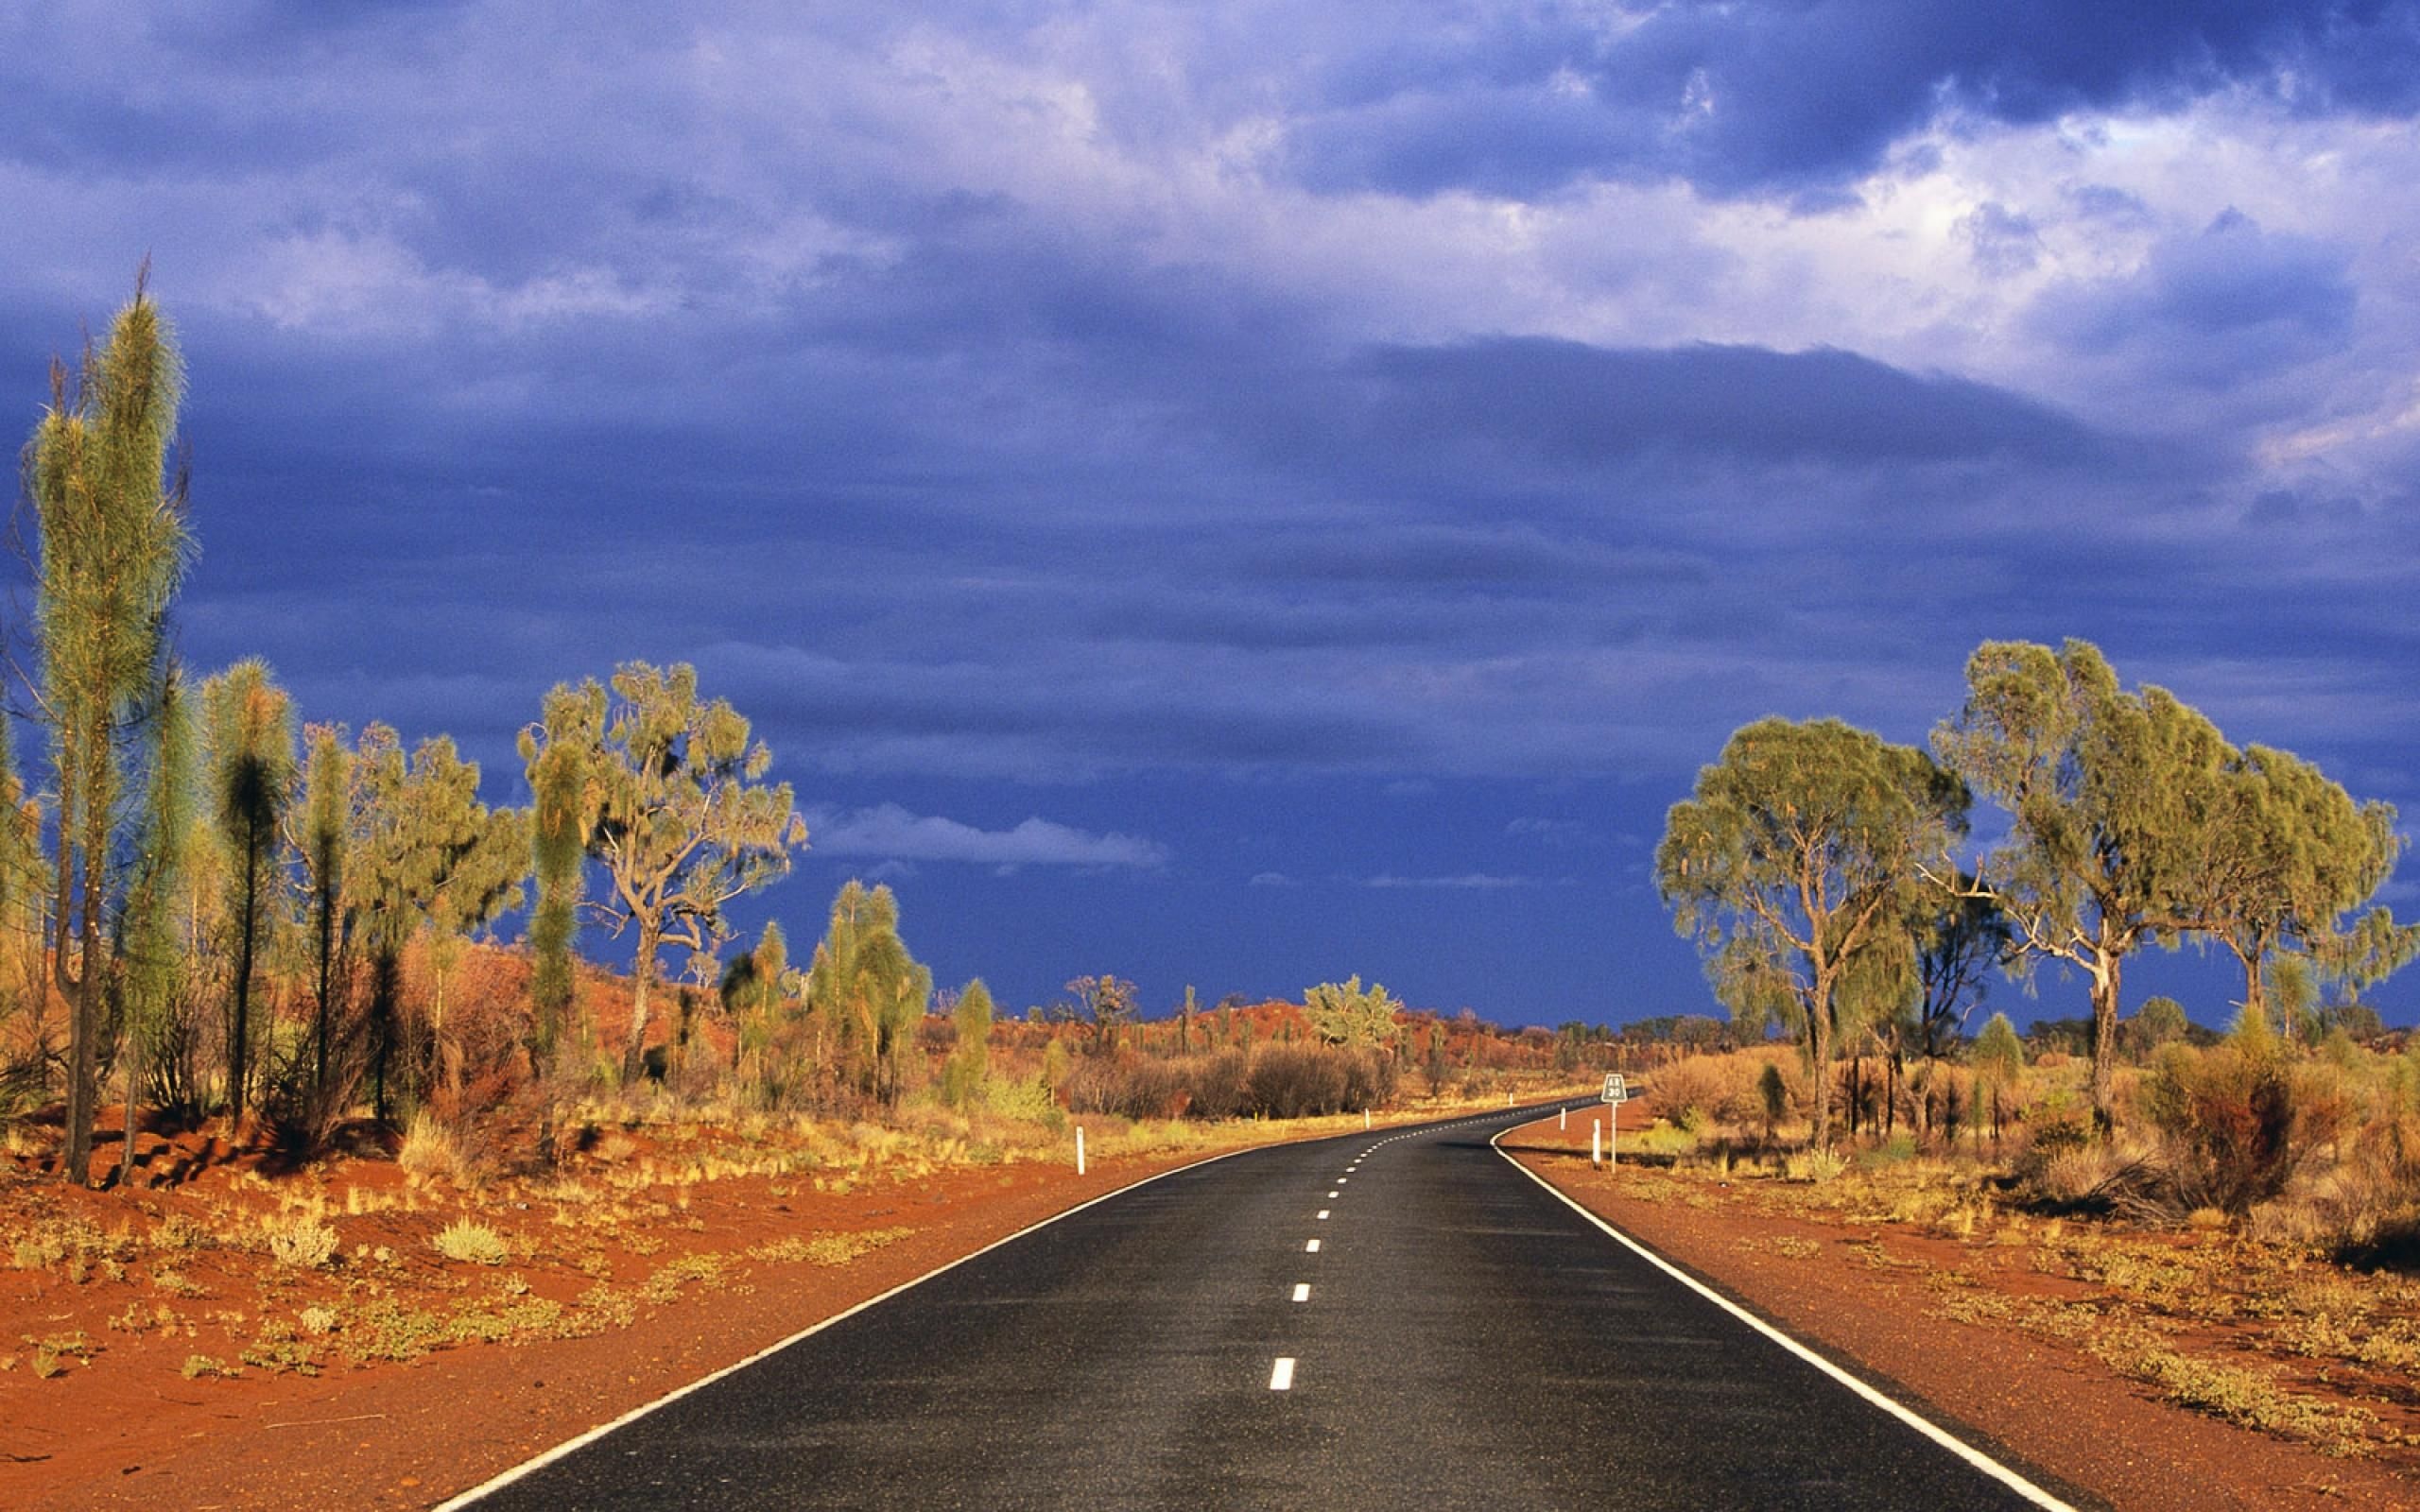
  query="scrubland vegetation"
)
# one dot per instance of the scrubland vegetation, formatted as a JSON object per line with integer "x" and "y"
{"x": 2235, "y": 1214}
{"x": 267, "y": 939}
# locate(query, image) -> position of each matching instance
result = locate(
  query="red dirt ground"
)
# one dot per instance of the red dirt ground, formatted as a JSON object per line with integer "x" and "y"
{"x": 1857, "y": 1292}
{"x": 131, "y": 1431}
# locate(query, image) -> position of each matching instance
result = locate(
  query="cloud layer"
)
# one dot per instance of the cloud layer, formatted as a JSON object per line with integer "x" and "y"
{"x": 1176, "y": 403}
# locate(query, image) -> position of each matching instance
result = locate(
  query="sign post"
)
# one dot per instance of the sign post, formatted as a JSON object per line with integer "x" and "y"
{"x": 1616, "y": 1092}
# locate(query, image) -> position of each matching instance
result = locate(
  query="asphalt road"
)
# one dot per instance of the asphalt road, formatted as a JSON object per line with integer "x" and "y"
{"x": 1466, "y": 1340}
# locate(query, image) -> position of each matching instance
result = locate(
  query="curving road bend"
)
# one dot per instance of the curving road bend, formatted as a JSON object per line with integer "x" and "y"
{"x": 1363, "y": 1321}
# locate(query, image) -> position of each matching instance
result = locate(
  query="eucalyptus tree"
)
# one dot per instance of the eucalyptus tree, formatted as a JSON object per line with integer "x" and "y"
{"x": 2116, "y": 799}
{"x": 248, "y": 723}
{"x": 675, "y": 807}
{"x": 866, "y": 992}
{"x": 113, "y": 547}
{"x": 2292, "y": 856}
{"x": 1793, "y": 865}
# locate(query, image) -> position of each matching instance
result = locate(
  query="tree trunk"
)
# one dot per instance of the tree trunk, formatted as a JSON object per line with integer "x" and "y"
{"x": 77, "y": 1161}
{"x": 642, "y": 976}
{"x": 2104, "y": 1040}
{"x": 134, "y": 1066}
{"x": 240, "y": 1034}
{"x": 83, "y": 1048}
{"x": 2255, "y": 993}
{"x": 1819, "y": 1036}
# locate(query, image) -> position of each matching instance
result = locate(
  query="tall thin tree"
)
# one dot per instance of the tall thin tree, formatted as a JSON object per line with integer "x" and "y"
{"x": 248, "y": 722}
{"x": 113, "y": 546}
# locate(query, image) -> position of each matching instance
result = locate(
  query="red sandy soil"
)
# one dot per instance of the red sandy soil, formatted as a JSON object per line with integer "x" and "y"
{"x": 1857, "y": 1293}
{"x": 129, "y": 1429}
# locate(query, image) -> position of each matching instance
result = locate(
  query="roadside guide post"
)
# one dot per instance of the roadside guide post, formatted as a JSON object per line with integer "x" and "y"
{"x": 1080, "y": 1150}
{"x": 1595, "y": 1143}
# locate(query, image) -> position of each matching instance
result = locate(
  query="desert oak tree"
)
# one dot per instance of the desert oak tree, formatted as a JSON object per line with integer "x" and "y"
{"x": 675, "y": 809}
{"x": 114, "y": 545}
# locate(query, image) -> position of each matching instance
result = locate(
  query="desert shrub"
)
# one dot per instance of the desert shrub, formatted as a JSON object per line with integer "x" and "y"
{"x": 1222, "y": 1083}
{"x": 2229, "y": 1120}
{"x": 1296, "y": 1081}
{"x": 1027, "y": 1099}
{"x": 2365, "y": 1209}
{"x": 430, "y": 1148}
{"x": 1368, "y": 1079}
{"x": 305, "y": 1243}
{"x": 474, "y": 1244}
{"x": 1692, "y": 1090}
{"x": 1128, "y": 1087}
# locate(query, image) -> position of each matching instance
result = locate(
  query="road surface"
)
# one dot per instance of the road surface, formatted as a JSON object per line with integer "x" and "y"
{"x": 1384, "y": 1319}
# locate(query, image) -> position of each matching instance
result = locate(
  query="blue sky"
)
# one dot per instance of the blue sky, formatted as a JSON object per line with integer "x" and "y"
{"x": 1233, "y": 495}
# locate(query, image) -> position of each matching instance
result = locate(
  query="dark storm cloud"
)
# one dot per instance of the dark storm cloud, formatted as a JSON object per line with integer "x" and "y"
{"x": 1742, "y": 97}
{"x": 1582, "y": 405}
{"x": 2230, "y": 303}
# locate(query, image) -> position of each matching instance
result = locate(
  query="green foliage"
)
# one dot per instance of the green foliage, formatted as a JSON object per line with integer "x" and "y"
{"x": 2160, "y": 1021}
{"x": 155, "y": 965}
{"x": 2134, "y": 820}
{"x": 327, "y": 825}
{"x": 867, "y": 991}
{"x": 1774, "y": 1095}
{"x": 970, "y": 1058}
{"x": 2292, "y": 999}
{"x": 471, "y": 1243}
{"x": 112, "y": 549}
{"x": 1345, "y": 1013}
{"x": 558, "y": 827}
{"x": 2229, "y": 1116}
{"x": 426, "y": 857}
{"x": 248, "y": 741}
{"x": 1999, "y": 1056}
{"x": 1794, "y": 865}
{"x": 1107, "y": 1003}
{"x": 673, "y": 804}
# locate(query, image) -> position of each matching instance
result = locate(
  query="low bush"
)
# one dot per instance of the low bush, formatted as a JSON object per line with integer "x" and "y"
{"x": 2228, "y": 1118}
{"x": 305, "y": 1244}
{"x": 474, "y": 1244}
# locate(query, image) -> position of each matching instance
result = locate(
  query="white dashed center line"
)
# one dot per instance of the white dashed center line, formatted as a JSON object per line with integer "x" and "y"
{"x": 1311, "y": 1249}
{"x": 1302, "y": 1291}
{"x": 1323, "y": 1214}
{"x": 1280, "y": 1376}
{"x": 1331, "y": 1193}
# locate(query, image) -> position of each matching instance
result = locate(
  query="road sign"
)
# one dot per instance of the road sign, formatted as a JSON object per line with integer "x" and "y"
{"x": 1614, "y": 1090}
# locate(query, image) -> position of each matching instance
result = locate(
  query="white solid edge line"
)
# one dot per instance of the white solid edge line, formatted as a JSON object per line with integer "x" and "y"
{"x": 1907, "y": 1415}
{"x": 530, "y": 1467}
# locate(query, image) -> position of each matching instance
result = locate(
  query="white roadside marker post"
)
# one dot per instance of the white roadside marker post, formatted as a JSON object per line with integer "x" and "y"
{"x": 1563, "y": 1118}
{"x": 1080, "y": 1150}
{"x": 1365, "y": 1117}
{"x": 1595, "y": 1144}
